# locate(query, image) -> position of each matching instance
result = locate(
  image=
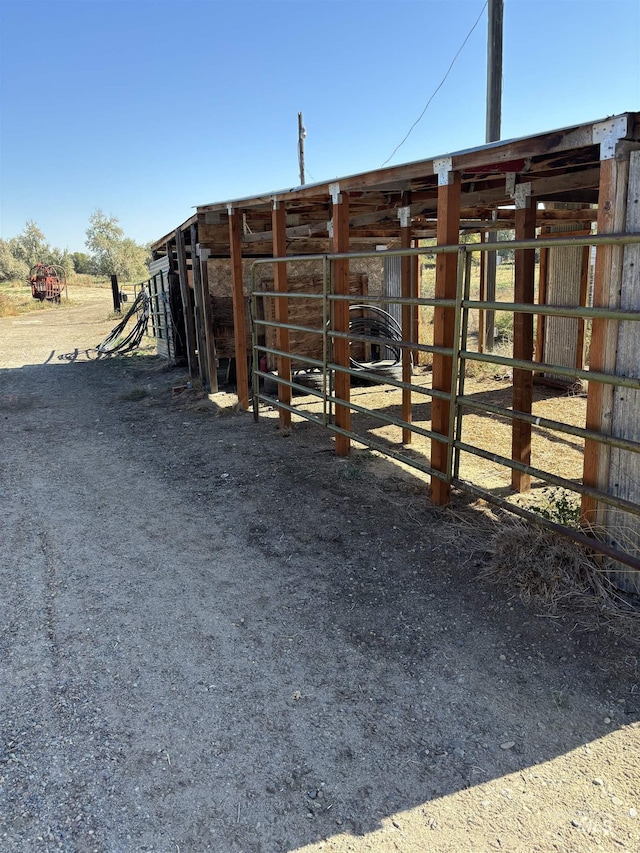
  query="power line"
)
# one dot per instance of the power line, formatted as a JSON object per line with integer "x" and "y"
{"x": 440, "y": 85}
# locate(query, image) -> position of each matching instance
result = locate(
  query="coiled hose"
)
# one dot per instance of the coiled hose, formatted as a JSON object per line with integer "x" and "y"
{"x": 377, "y": 323}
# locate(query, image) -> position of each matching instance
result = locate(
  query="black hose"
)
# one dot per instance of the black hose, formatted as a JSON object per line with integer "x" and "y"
{"x": 379, "y": 324}
{"x": 115, "y": 342}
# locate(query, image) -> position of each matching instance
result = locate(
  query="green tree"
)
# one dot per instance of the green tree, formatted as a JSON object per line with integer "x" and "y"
{"x": 81, "y": 263}
{"x": 11, "y": 268}
{"x": 112, "y": 252}
{"x": 30, "y": 245}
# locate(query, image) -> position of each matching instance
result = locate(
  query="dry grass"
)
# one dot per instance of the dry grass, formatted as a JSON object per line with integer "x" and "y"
{"x": 556, "y": 574}
{"x": 16, "y": 299}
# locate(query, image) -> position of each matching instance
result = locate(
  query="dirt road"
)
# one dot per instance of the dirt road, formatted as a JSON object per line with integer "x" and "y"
{"x": 215, "y": 637}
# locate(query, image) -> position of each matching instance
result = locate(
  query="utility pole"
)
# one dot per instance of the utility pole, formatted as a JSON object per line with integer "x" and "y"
{"x": 494, "y": 114}
{"x": 302, "y": 135}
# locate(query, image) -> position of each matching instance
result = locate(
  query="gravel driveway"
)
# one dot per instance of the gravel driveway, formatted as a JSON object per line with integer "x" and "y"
{"x": 217, "y": 637}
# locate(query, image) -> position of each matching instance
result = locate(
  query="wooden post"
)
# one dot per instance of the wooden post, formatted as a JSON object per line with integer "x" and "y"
{"x": 543, "y": 273}
{"x": 239, "y": 309}
{"x": 280, "y": 284}
{"x": 584, "y": 299}
{"x": 115, "y": 292}
{"x": 447, "y": 234}
{"x": 482, "y": 293}
{"x": 340, "y": 220}
{"x": 415, "y": 292}
{"x": 404, "y": 214}
{"x": 607, "y": 282}
{"x": 525, "y": 265}
{"x": 207, "y": 316}
{"x": 624, "y": 467}
{"x": 189, "y": 328}
{"x": 198, "y": 311}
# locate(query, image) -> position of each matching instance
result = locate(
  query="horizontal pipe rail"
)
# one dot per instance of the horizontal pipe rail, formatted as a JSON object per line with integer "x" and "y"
{"x": 543, "y": 367}
{"x": 361, "y": 439}
{"x": 618, "y": 239}
{"x": 571, "y": 485}
{"x": 391, "y": 420}
{"x": 273, "y": 324}
{"x": 591, "y": 542}
{"x": 554, "y": 310}
{"x": 558, "y": 426}
{"x": 361, "y": 374}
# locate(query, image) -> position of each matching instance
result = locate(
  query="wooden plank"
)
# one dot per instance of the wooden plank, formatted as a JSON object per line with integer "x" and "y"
{"x": 525, "y": 263}
{"x": 543, "y": 274}
{"x": 607, "y": 282}
{"x": 187, "y": 304}
{"x": 623, "y": 528}
{"x": 584, "y": 299}
{"x": 212, "y": 358}
{"x": 407, "y": 312}
{"x": 281, "y": 309}
{"x": 239, "y": 309}
{"x": 198, "y": 312}
{"x": 443, "y": 328}
{"x": 415, "y": 288}
{"x": 341, "y": 321}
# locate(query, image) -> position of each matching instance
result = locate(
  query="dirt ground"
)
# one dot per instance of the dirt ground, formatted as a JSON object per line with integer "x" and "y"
{"x": 217, "y": 637}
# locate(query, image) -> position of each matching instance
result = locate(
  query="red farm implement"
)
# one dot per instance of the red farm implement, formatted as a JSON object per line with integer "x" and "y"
{"x": 48, "y": 281}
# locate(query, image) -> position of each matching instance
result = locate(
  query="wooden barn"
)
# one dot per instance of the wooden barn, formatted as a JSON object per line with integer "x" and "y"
{"x": 560, "y": 199}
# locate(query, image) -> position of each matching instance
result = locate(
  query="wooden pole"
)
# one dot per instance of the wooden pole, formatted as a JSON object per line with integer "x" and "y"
{"x": 189, "y": 329}
{"x": 448, "y": 233}
{"x": 239, "y": 308}
{"x": 494, "y": 115}
{"x": 494, "y": 69}
{"x": 341, "y": 317}
{"x": 525, "y": 263}
{"x": 302, "y": 134}
{"x": 279, "y": 225}
{"x": 404, "y": 214}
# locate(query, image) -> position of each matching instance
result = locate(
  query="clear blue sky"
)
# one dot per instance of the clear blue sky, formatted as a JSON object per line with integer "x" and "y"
{"x": 146, "y": 109}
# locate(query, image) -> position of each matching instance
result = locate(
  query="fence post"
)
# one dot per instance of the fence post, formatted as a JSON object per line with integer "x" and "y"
{"x": 448, "y": 231}
{"x": 116, "y": 293}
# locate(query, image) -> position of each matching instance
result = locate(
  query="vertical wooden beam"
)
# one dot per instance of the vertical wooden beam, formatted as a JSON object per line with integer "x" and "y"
{"x": 239, "y": 308}
{"x": 340, "y": 220}
{"x": 482, "y": 294}
{"x": 279, "y": 225}
{"x": 198, "y": 313}
{"x": 543, "y": 277}
{"x": 624, "y": 466}
{"x": 212, "y": 358}
{"x": 607, "y": 281}
{"x": 187, "y": 307}
{"x": 447, "y": 234}
{"x": 404, "y": 214}
{"x": 584, "y": 298}
{"x": 415, "y": 292}
{"x": 525, "y": 266}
